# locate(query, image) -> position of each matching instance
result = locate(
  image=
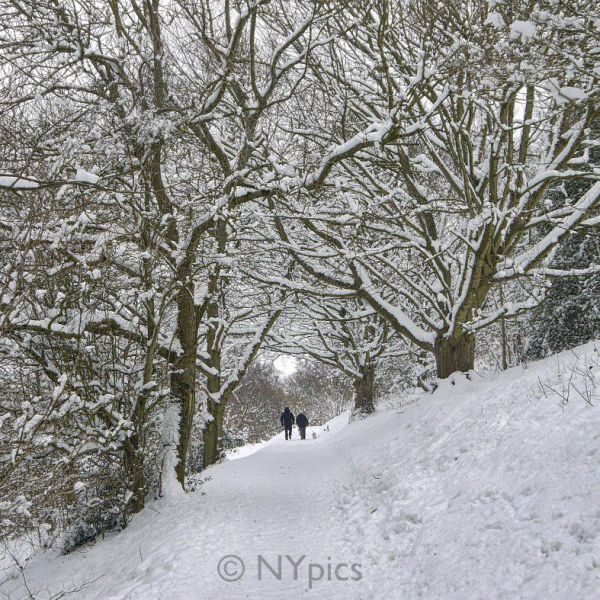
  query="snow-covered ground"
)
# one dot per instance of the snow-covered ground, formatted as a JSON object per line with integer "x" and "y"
{"x": 486, "y": 489}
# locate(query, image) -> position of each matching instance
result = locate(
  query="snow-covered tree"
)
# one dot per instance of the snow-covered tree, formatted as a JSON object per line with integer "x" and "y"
{"x": 157, "y": 147}
{"x": 318, "y": 390}
{"x": 346, "y": 335}
{"x": 477, "y": 112}
{"x": 256, "y": 404}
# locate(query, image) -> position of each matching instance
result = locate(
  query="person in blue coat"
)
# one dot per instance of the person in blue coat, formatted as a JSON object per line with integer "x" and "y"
{"x": 302, "y": 423}
{"x": 287, "y": 420}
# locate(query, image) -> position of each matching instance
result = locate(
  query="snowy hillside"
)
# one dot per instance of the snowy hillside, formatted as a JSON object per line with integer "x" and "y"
{"x": 488, "y": 488}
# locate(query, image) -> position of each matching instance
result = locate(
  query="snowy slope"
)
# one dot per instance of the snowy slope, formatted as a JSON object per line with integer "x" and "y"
{"x": 485, "y": 489}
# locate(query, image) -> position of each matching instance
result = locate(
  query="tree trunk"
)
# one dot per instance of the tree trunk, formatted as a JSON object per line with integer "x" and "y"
{"x": 363, "y": 391}
{"x": 134, "y": 467}
{"x": 183, "y": 377}
{"x": 503, "y": 334}
{"x": 213, "y": 434}
{"x": 182, "y": 389}
{"x": 454, "y": 354}
{"x": 135, "y": 446}
{"x": 213, "y": 430}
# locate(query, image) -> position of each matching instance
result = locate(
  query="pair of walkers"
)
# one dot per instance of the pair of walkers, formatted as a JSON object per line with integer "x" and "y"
{"x": 288, "y": 420}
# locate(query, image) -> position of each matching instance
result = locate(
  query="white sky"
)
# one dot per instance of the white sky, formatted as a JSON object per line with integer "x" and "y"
{"x": 286, "y": 365}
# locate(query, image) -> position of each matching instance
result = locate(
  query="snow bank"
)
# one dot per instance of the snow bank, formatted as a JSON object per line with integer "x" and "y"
{"x": 488, "y": 489}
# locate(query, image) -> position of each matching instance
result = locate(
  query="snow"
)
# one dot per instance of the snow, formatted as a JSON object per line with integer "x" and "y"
{"x": 85, "y": 176}
{"x": 524, "y": 30}
{"x": 562, "y": 94}
{"x": 246, "y": 450}
{"x": 18, "y": 183}
{"x": 170, "y": 486}
{"x": 545, "y": 244}
{"x": 495, "y": 20}
{"x": 488, "y": 488}
{"x": 78, "y": 487}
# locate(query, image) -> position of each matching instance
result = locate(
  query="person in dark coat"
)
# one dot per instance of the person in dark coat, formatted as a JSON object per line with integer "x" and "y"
{"x": 287, "y": 420}
{"x": 302, "y": 423}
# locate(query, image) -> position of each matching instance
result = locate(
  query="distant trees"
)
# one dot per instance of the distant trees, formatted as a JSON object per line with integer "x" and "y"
{"x": 320, "y": 391}
{"x": 256, "y": 404}
{"x": 346, "y": 335}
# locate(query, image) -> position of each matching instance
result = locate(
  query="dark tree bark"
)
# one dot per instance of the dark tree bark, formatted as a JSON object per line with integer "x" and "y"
{"x": 134, "y": 469}
{"x": 363, "y": 390}
{"x": 454, "y": 354}
{"x": 213, "y": 434}
{"x": 183, "y": 378}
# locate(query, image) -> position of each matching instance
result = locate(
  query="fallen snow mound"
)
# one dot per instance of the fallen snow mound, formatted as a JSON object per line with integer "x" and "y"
{"x": 488, "y": 488}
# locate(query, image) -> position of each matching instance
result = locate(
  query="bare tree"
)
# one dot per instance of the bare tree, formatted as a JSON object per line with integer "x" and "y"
{"x": 476, "y": 114}
{"x": 346, "y": 335}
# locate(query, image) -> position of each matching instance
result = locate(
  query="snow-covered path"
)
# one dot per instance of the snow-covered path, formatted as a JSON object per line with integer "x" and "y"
{"x": 485, "y": 489}
{"x": 279, "y": 502}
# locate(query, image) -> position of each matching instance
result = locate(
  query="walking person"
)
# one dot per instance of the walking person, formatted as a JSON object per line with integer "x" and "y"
{"x": 302, "y": 423}
{"x": 287, "y": 420}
